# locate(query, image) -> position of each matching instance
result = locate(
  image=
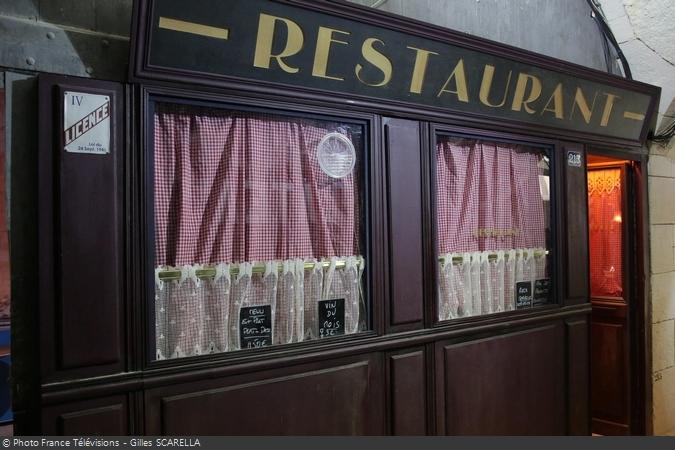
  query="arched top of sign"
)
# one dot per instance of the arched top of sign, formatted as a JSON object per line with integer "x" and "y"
{"x": 336, "y": 155}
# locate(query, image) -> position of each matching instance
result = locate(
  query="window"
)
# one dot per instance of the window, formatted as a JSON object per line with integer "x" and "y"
{"x": 605, "y": 204}
{"x": 258, "y": 229}
{"x": 493, "y": 226}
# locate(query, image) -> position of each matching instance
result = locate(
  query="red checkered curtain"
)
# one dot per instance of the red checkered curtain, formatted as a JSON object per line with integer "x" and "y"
{"x": 233, "y": 186}
{"x": 488, "y": 196}
{"x": 234, "y": 190}
{"x": 492, "y": 219}
{"x": 605, "y": 232}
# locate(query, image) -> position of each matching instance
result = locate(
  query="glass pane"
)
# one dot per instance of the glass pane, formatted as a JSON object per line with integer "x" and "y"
{"x": 605, "y": 232}
{"x": 258, "y": 225}
{"x": 493, "y": 226}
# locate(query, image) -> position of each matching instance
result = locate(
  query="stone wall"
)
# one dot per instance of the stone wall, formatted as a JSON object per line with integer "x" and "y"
{"x": 644, "y": 30}
{"x": 662, "y": 230}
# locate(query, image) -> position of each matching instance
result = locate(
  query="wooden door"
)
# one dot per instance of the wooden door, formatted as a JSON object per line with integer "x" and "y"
{"x": 609, "y": 223}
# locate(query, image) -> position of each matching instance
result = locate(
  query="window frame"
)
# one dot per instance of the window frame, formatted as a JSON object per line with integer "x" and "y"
{"x": 554, "y": 151}
{"x": 371, "y": 173}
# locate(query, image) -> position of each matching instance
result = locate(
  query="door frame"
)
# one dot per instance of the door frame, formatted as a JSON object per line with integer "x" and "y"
{"x": 641, "y": 397}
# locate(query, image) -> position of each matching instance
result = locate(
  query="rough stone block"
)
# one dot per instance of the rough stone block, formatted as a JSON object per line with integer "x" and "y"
{"x": 662, "y": 243}
{"x": 661, "y": 195}
{"x": 652, "y": 21}
{"x": 662, "y": 165}
{"x": 663, "y": 297}
{"x": 622, "y": 29}
{"x": 650, "y": 67}
{"x": 663, "y": 345}
{"x": 664, "y": 401}
{"x": 613, "y": 9}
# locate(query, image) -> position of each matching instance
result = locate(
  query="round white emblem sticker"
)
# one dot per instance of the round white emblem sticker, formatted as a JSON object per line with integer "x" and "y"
{"x": 336, "y": 155}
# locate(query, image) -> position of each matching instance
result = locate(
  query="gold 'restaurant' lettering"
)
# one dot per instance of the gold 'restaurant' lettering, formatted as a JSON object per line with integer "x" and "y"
{"x": 607, "y": 110}
{"x": 633, "y": 116}
{"x": 486, "y": 87}
{"x": 377, "y": 59}
{"x": 263, "y": 46}
{"x": 193, "y": 28}
{"x": 519, "y": 97}
{"x": 428, "y": 72}
{"x": 323, "y": 44}
{"x": 581, "y": 104}
{"x": 420, "y": 69}
{"x": 459, "y": 77}
{"x": 555, "y": 103}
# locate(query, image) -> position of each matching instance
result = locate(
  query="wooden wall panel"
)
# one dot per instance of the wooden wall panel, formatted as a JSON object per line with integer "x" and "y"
{"x": 512, "y": 384}
{"x": 21, "y": 92}
{"x": 345, "y": 398}
{"x": 403, "y": 154}
{"x": 100, "y": 417}
{"x": 88, "y": 240}
{"x": 578, "y": 386}
{"x": 408, "y": 390}
{"x": 610, "y": 369}
{"x": 81, "y": 244}
{"x": 575, "y": 226}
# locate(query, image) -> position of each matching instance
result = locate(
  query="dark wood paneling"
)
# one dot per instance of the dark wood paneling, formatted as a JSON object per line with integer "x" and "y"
{"x": 88, "y": 259}
{"x": 505, "y": 384}
{"x": 22, "y": 111}
{"x": 642, "y": 420}
{"x": 101, "y": 417}
{"x": 408, "y": 393}
{"x": 511, "y": 384}
{"x": 81, "y": 305}
{"x": 610, "y": 370}
{"x": 578, "y": 395}
{"x": 576, "y": 227}
{"x": 405, "y": 222}
{"x": 343, "y": 398}
{"x": 106, "y": 421}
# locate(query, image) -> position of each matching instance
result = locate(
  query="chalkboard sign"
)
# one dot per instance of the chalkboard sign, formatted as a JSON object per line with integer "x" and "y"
{"x": 255, "y": 326}
{"x": 523, "y": 294}
{"x": 542, "y": 289}
{"x": 331, "y": 317}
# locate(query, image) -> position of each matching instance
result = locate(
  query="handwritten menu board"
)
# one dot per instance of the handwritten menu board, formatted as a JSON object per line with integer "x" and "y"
{"x": 542, "y": 290}
{"x": 523, "y": 294}
{"x": 331, "y": 317}
{"x": 255, "y": 326}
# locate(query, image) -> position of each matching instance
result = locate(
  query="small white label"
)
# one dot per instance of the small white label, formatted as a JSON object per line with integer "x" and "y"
{"x": 574, "y": 159}
{"x": 86, "y": 123}
{"x": 545, "y": 187}
{"x": 336, "y": 155}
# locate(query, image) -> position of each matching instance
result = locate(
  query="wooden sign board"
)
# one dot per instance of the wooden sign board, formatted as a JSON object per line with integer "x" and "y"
{"x": 301, "y": 44}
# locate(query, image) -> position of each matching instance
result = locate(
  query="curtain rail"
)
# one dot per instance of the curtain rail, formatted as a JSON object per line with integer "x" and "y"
{"x": 458, "y": 260}
{"x": 210, "y": 272}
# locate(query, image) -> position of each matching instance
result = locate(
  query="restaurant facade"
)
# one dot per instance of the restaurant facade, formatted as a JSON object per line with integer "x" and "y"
{"x": 308, "y": 217}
